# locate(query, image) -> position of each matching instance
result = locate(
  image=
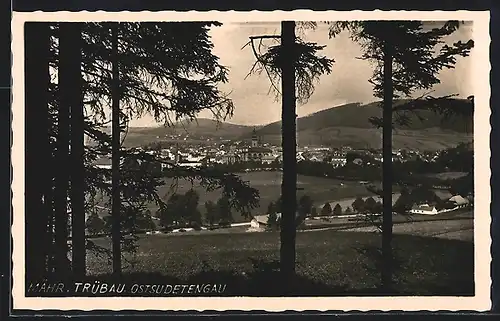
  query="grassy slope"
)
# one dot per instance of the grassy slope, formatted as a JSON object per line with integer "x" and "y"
{"x": 425, "y": 139}
{"x": 356, "y": 116}
{"x": 348, "y": 124}
{"x": 328, "y": 262}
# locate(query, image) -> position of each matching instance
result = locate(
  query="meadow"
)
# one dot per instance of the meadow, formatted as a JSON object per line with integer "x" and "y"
{"x": 268, "y": 183}
{"x": 329, "y": 263}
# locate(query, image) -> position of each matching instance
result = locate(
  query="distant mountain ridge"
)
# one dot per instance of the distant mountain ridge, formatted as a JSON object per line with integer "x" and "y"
{"x": 356, "y": 115}
{"x": 341, "y": 125}
{"x": 198, "y": 127}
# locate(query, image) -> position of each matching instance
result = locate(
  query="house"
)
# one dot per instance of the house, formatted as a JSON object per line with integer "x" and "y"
{"x": 424, "y": 209}
{"x": 190, "y": 164}
{"x": 358, "y": 161}
{"x": 230, "y": 158}
{"x": 259, "y": 222}
{"x": 268, "y": 159}
{"x": 459, "y": 201}
{"x": 338, "y": 161}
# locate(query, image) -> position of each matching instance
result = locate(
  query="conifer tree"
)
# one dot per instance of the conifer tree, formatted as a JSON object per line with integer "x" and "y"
{"x": 408, "y": 58}
{"x": 295, "y": 65}
{"x": 166, "y": 70}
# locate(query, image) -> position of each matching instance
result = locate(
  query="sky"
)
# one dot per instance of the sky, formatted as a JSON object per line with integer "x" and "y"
{"x": 347, "y": 83}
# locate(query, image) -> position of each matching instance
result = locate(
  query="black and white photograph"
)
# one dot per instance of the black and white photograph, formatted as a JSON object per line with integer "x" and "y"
{"x": 271, "y": 161}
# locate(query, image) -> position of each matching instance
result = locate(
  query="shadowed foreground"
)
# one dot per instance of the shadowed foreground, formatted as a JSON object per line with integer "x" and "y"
{"x": 329, "y": 263}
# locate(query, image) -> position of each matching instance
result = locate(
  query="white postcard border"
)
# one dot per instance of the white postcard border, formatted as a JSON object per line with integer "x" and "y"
{"x": 482, "y": 239}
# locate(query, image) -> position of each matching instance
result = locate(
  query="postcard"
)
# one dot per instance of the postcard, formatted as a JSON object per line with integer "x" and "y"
{"x": 271, "y": 161}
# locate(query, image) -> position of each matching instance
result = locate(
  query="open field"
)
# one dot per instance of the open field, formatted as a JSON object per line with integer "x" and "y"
{"x": 268, "y": 183}
{"x": 358, "y": 223}
{"x": 319, "y": 189}
{"x": 450, "y": 229}
{"x": 328, "y": 262}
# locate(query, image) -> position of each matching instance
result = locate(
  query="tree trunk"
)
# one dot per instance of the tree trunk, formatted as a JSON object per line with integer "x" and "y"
{"x": 37, "y": 150}
{"x": 387, "y": 258}
{"x": 288, "y": 132}
{"x": 72, "y": 34}
{"x": 115, "y": 157}
{"x": 65, "y": 78}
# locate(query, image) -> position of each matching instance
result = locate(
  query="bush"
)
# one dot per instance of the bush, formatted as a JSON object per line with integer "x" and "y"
{"x": 166, "y": 229}
{"x": 224, "y": 224}
{"x": 196, "y": 226}
{"x": 95, "y": 225}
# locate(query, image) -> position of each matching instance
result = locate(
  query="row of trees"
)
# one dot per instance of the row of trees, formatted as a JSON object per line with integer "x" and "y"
{"x": 407, "y": 58}
{"x": 409, "y": 196}
{"x": 182, "y": 210}
{"x": 98, "y": 226}
{"x": 360, "y": 205}
{"x": 219, "y": 213}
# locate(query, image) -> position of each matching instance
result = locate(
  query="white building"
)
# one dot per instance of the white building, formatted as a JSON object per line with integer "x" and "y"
{"x": 190, "y": 164}
{"x": 259, "y": 222}
{"x": 424, "y": 209}
{"x": 459, "y": 201}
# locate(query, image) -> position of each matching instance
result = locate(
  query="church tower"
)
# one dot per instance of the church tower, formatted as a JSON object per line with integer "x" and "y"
{"x": 255, "y": 139}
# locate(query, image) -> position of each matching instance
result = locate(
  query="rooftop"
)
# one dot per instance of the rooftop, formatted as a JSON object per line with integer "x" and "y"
{"x": 259, "y": 150}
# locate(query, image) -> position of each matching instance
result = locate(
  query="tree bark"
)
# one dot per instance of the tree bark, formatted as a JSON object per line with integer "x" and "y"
{"x": 72, "y": 34}
{"x": 387, "y": 266}
{"x": 65, "y": 78}
{"x": 115, "y": 158}
{"x": 288, "y": 132}
{"x": 37, "y": 150}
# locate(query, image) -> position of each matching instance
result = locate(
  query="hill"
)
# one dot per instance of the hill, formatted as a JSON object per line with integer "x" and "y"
{"x": 349, "y": 125}
{"x": 199, "y": 127}
{"x": 356, "y": 116}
